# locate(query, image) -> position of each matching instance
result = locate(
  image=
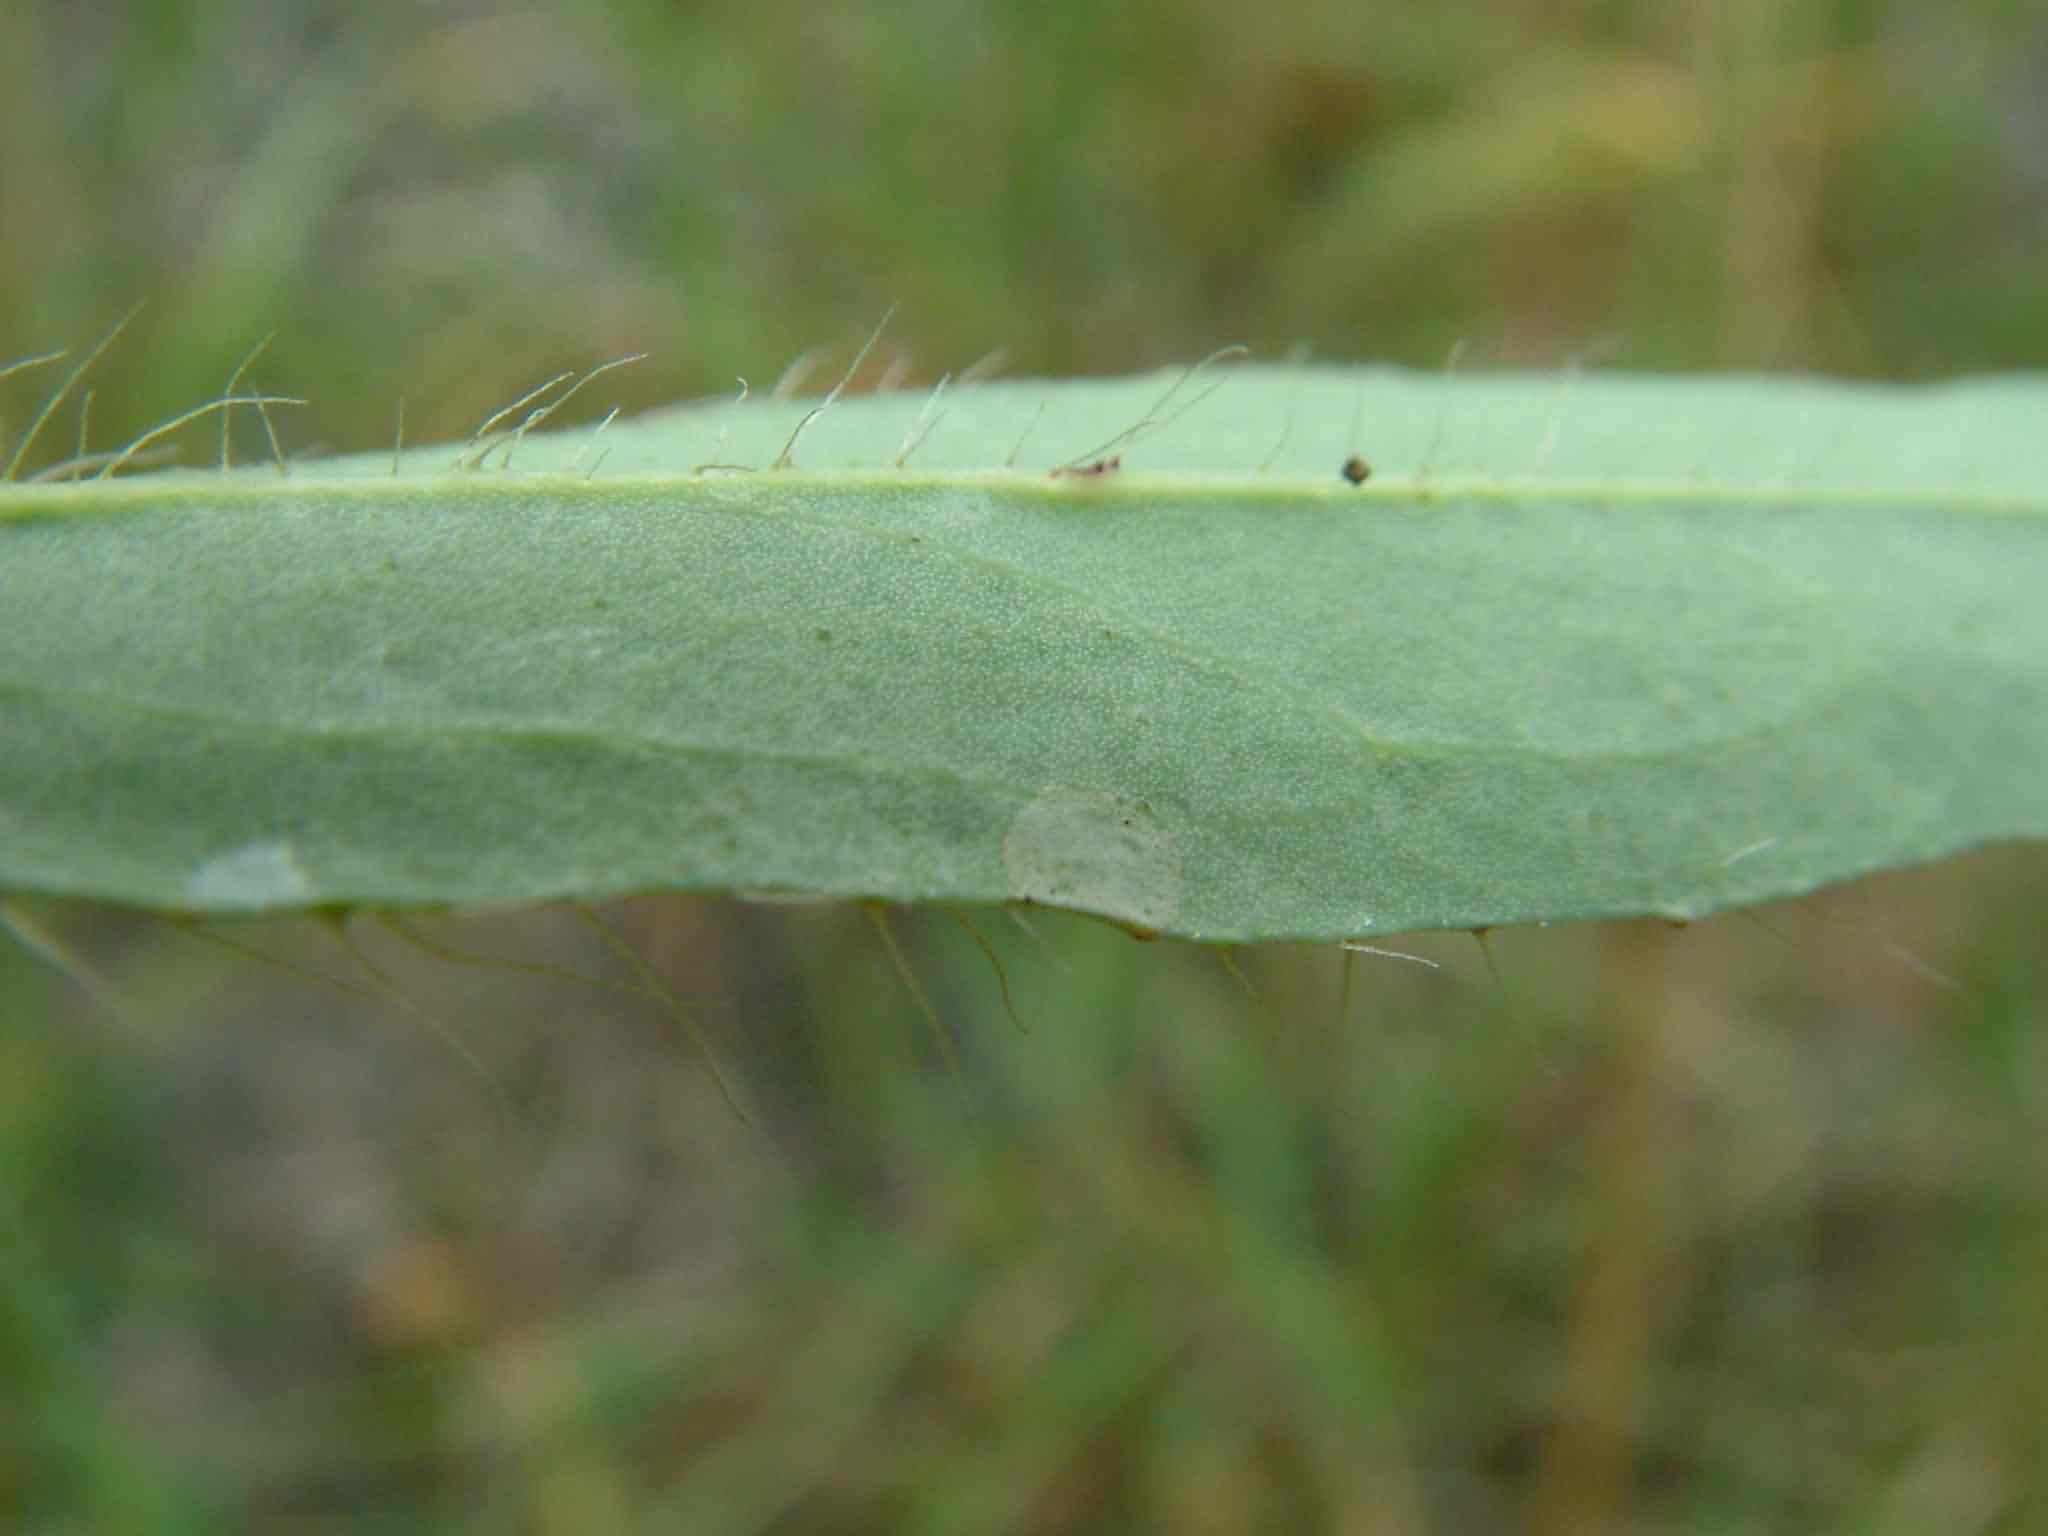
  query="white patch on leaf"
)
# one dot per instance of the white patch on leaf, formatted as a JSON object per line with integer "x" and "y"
{"x": 1094, "y": 852}
{"x": 261, "y": 874}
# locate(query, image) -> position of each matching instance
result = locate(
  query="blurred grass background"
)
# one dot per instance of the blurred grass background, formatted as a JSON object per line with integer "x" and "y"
{"x": 1732, "y": 1228}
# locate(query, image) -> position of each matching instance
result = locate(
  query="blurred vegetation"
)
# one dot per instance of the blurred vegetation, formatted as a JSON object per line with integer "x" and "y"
{"x": 1738, "y": 1227}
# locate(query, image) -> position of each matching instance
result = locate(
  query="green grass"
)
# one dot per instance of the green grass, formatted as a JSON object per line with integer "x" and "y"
{"x": 1766, "y": 1200}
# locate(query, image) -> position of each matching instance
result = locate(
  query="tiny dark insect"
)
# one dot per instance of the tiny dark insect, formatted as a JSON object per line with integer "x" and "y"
{"x": 1108, "y": 466}
{"x": 1356, "y": 470}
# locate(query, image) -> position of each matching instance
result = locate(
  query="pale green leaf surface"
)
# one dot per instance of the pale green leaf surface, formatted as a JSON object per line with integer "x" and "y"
{"x": 1582, "y": 647}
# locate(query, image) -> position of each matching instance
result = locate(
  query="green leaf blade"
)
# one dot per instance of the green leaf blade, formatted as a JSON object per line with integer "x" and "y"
{"x": 1547, "y": 666}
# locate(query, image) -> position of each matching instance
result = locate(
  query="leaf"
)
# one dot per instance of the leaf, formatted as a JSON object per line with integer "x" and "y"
{"x": 1580, "y": 647}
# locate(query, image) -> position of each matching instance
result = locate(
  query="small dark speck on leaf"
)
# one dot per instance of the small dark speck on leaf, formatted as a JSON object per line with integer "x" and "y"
{"x": 1094, "y": 467}
{"x": 1356, "y": 470}
{"x": 824, "y": 636}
